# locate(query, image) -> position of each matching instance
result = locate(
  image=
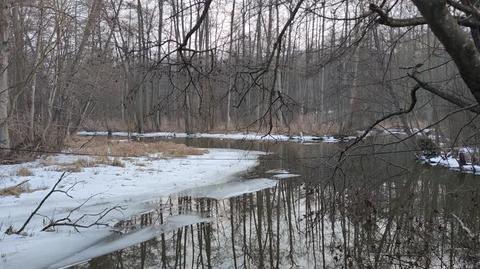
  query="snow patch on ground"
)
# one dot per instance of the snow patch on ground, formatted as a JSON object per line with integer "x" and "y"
{"x": 141, "y": 180}
{"x": 397, "y": 131}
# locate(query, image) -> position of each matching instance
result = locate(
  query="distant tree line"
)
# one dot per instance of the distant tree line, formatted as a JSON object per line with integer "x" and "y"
{"x": 297, "y": 66}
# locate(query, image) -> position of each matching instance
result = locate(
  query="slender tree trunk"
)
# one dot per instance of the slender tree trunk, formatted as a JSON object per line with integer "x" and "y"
{"x": 159, "y": 57}
{"x": 38, "y": 52}
{"x": 231, "y": 57}
{"x": 4, "y": 98}
{"x": 141, "y": 105}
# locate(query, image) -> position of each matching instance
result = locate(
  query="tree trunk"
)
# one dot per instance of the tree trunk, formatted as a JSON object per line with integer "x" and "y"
{"x": 4, "y": 98}
{"x": 456, "y": 41}
{"x": 38, "y": 52}
{"x": 231, "y": 58}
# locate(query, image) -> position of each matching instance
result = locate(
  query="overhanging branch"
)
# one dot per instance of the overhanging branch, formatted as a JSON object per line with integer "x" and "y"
{"x": 445, "y": 95}
{"x": 384, "y": 19}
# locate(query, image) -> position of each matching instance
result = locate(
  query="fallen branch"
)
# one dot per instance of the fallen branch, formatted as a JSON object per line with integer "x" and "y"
{"x": 67, "y": 221}
{"x": 39, "y": 205}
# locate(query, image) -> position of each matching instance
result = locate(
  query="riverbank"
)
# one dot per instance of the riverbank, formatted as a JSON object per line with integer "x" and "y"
{"x": 451, "y": 163}
{"x": 231, "y": 136}
{"x": 97, "y": 192}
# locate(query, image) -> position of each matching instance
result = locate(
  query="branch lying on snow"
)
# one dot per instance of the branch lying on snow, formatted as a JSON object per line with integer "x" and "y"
{"x": 67, "y": 221}
{"x": 38, "y": 207}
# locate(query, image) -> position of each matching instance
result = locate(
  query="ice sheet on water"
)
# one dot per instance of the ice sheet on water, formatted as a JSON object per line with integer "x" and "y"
{"x": 231, "y": 189}
{"x": 285, "y": 176}
{"x": 57, "y": 250}
{"x": 277, "y": 171}
{"x": 117, "y": 241}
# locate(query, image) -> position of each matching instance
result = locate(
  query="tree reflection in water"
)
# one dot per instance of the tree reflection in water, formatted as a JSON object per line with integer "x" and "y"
{"x": 376, "y": 213}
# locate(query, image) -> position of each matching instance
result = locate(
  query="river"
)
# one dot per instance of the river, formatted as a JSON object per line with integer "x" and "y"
{"x": 381, "y": 210}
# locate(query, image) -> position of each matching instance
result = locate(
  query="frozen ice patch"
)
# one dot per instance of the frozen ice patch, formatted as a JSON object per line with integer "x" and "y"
{"x": 231, "y": 189}
{"x": 277, "y": 171}
{"x": 285, "y": 176}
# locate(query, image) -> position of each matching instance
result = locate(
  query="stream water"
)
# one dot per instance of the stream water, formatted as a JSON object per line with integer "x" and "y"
{"x": 380, "y": 210}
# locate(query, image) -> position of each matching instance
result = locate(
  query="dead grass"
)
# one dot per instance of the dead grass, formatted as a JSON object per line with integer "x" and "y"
{"x": 117, "y": 162}
{"x": 78, "y": 165}
{"x": 104, "y": 147}
{"x": 16, "y": 190}
{"x": 125, "y": 148}
{"x": 24, "y": 172}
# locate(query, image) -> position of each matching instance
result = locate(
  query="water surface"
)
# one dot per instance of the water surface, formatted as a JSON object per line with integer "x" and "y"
{"x": 380, "y": 210}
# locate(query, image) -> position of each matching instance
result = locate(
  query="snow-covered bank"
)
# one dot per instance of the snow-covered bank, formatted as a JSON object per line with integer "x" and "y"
{"x": 398, "y": 131}
{"x": 142, "y": 179}
{"x": 232, "y": 136}
{"x": 450, "y": 163}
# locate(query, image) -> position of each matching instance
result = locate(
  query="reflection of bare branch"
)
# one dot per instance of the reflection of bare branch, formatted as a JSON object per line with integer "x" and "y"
{"x": 464, "y": 227}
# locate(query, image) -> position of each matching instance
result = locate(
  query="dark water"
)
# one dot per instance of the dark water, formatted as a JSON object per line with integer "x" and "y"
{"x": 377, "y": 211}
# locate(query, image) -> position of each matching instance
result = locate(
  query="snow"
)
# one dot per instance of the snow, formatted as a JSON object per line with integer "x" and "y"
{"x": 231, "y": 136}
{"x": 103, "y": 187}
{"x": 395, "y": 131}
{"x": 450, "y": 163}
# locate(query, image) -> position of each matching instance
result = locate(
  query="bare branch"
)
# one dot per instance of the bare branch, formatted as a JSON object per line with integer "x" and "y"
{"x": 40, "y": 204}
{"x": 384, "y": 19}
{"x": 445, "y": 95}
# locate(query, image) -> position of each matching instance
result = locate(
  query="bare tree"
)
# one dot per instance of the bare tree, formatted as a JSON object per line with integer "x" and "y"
{"x": 4, "y": 88}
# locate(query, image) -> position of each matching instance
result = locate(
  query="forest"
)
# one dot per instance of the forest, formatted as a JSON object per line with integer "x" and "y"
{"x": 316, "y": 67}
{"x": 239, "y": 134}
